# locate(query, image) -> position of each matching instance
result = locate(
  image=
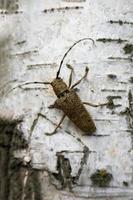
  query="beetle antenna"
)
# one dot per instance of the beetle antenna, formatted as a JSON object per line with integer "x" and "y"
{"x": 28, "y": 83}
{"x": 57, "y": 75}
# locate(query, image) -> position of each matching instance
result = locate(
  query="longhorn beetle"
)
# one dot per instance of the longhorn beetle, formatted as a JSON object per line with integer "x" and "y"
{"x": 69, "y": 102}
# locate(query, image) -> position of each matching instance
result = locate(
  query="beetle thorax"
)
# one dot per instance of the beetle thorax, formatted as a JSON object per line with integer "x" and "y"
{"x": 59, "y": 86}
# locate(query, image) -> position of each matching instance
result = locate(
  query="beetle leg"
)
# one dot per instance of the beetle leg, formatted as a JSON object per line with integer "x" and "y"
{"x": 51, "y": 106}
{"x": 86, "y": 72}
{"x": 109, "y": 104}
{"x": 63, "y": 117}
{"x": 95, "y": 105}
{"x": 54, "y": 105}
{"x": 70, "y": 77}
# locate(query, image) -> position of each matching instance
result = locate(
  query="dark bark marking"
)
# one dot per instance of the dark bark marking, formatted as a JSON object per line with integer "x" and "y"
{"x": 104, "y": 40}
{"x": 120, "y": 22}
{"x": 52, "y": 10}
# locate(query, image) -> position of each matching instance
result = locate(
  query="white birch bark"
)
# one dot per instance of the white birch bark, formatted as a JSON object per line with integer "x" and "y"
{"x": 33, "y": 39}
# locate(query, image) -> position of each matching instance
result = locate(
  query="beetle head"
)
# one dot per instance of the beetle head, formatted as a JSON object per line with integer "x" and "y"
{"x": 59, "y": 86}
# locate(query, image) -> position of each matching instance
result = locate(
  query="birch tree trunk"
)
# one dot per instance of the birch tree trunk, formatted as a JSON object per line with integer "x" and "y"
{"x": 34, "y": 37}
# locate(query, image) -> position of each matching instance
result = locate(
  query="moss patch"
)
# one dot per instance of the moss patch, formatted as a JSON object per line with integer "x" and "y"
{"x": 101, "y": 178}
{"x": 125, "y": 183}
{"x": 128, "y": 48}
